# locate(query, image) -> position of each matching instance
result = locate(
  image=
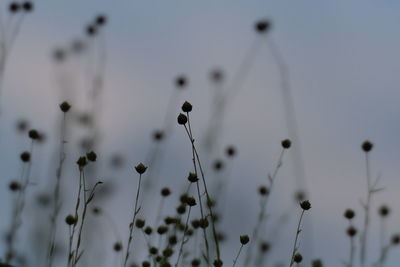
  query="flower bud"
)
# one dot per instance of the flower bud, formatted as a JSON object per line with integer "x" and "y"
{"x": 367, "y": 146}
{"x": 182, "y": 119}
{"x": 140, "y": 168}
{"x": 187, "y": 107}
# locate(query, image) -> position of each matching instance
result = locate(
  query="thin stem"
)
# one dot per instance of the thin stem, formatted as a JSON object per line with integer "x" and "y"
{"x": 131, "y": 226}
{"x": 295, "y": 240}
{"x": 198, "y": 191}
{"x": 263, "y": 204}
{"x": 78, "y": 244}
{"x": 364, "y": 236}
{"x": 71, "y": 236}
{"x": 56, "y": 195}
{"x": 237, "y": 256}
{"x": 183, "y": 237}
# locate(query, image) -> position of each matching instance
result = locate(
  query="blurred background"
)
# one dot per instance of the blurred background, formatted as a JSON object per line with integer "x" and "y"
{"x": 342, "y": 62}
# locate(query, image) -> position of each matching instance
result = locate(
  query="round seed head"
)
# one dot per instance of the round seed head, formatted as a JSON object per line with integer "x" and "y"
{"x": 263, "y": 190}
{"x": 172, "y": 240}
{"x": 196, "y": 262}
{"x": 244, "y": 239}
{"x": 25, "y": 156}
{"x": 146, "y": 264}
{"x": 158, "y": 135}
{"x": 286, "y": 143}
{"x": 192, "y": 177}
{"x": 14, "y": 7}
{"x": 351, "y": 231}
{"x": 305, "y": 205}
{"x": 27, "y": 6}
{"x": 395, "y": 239}
{"x": 384, "y": 211}
{"x": 91, "y": 156}
{"x": 91, "y": 30}
{"x": 181, "y": 209}
{"x": 22, "y": 125}
{"x": 218, "y": 263}
{"x": 82, "y": 162}
{"x": 297, "y": 258}
{"x": 140, "y": 168}
{"x": 262, "y": 26}
{"x": 182, "y": 119}
{"x": 264, "y": 247}
{"x": 117, "y": 246}
{"x": 165, "y": 192}
{"x": 14, "y": 186}
{"x": 153, "y": 250}
{"x": 367, "y": 146}
{"x": 168, "y": 252}
{"x": 101, "y": 20}
{"x": 180, "y": 81}
{"x": 217, "y": 76}
{"x": 317, "y": 263}
{"x": 70, "y": 220}
{"x": 148, "y": 230}
{"x": 33, "y": 134}
{"x": 195, "y": 223}
{"x": 349, "y": 214}
{"x": 187, "y": 107}
{"x": 218, "y": 165}
{"x": 203, "y": 223}
{"x": 162, "y": 229}
{"x": 191, "y": 201}
{"x": 59, "y": 55}
{"x": 140, "y": 223}
{"x": 65, "y": 106}
{"x": 230, "y": 151}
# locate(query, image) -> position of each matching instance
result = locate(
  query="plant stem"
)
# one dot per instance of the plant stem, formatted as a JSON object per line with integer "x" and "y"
{"x": 237, "y": 256}
{"x": 131, "y": 226}
{"x": 295, "y": 240}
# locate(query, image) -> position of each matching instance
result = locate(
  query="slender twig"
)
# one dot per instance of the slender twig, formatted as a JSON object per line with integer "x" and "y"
{"x": 56, "y": 195}
{"x": 183, "y": 237}
{"x": 237, "y": 256}
{"x": 131, "y": 225}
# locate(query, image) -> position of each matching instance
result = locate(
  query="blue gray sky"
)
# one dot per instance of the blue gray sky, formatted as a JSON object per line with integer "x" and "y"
{"x": 343, "y": 61}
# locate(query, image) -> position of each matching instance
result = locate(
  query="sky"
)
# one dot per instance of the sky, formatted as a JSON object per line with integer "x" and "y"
{"x": 343, "y": 62}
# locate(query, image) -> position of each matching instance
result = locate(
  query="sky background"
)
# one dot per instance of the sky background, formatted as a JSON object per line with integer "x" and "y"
{"x": 343, "y": 61}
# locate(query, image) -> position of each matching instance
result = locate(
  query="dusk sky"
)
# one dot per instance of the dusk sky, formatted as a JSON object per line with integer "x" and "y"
{"x": 343, "y": 61}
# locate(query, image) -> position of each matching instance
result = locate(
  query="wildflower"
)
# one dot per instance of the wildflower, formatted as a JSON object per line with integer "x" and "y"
{"x": 351, "y": 231}
{"x": 367, "y": 146}
{"x": 33, "y": 134}
{"x": 182, "y": 119}
{"x": 349, "y": 214}
{"x": 82, "y": 162}
{"x": 286, "y": 143}
{"x": 91, "y": 156}
{"x": 305, "y": 205}
{"x": 181, "y": 81}
{"x": 244, "y": 239}
{"x": 297, "y": 258}
{"x": 117, "y": 246}
{"x": 25, "y": 156}
{"x": 140, "y": 168}
{"x": 165, "y": 192}
{"x": 14, "y": 186}
{"x": 187, "y": 107}
{"x": 192, "y": 177}
{"x": 262, "y": 26}
{"x": 70, "y": 220}
{"x": 384, "y": 211}
{"x": 65, "y": 106}
{"x": 27, "y": 6}
{"x": 230, "y": 151}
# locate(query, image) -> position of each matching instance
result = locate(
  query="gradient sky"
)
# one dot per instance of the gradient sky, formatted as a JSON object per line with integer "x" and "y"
{"x": 343, "y": 61}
